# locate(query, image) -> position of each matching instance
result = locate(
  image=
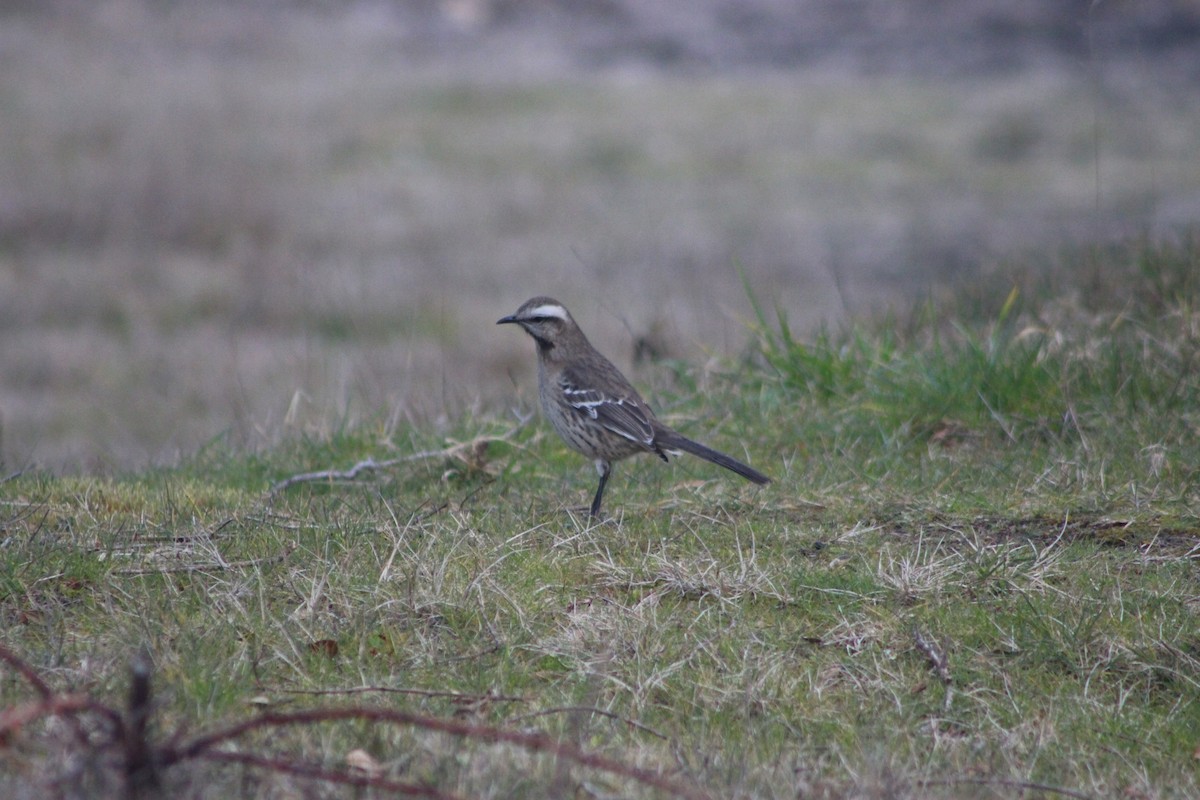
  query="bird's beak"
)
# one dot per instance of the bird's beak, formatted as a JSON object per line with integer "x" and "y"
{"x": 507, "y": 320}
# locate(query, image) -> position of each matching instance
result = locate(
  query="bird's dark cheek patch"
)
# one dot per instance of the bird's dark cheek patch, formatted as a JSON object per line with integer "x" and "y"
{"x": 545, "y": 345}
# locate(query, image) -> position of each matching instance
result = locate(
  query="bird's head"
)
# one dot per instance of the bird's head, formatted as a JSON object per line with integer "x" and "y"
{"x": 543, "y": 318}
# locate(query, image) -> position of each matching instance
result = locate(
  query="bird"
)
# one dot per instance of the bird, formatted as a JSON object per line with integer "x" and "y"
{"x": 592, "y": 406}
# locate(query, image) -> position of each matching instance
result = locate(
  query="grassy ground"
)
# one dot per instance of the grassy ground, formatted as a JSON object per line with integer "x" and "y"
{"x": 975, "y": 576}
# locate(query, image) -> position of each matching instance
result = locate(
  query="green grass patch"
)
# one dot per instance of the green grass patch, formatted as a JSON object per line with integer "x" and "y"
{"x": 975, "y": 575}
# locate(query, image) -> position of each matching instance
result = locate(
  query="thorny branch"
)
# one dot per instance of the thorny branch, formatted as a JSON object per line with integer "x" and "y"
{"x": 330, "y": 776}
{"x": 530, "y": 741}
{"x": 143, "y": 762}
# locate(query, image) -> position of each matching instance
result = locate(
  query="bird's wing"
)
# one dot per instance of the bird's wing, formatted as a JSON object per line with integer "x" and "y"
{"x": 625, "y": 415}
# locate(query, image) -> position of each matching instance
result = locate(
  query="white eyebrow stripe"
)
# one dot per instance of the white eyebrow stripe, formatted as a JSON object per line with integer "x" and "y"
{"x": 548, "y": 310}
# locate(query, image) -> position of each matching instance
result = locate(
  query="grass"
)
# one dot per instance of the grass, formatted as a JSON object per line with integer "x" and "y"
{"x": 975, "y": 576}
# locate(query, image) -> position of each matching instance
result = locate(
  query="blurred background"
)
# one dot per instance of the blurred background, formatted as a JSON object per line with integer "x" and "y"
{"x": 229, "y": 221}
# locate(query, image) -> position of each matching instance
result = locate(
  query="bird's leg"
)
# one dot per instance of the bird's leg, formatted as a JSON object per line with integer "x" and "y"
{"x": 604, "y": 468}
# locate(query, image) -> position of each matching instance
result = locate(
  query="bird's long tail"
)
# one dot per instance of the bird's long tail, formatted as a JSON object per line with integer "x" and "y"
{"x": 670, "y": 440}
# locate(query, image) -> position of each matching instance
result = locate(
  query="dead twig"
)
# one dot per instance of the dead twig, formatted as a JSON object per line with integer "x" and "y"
{"x": 935, "y": 654}
{"x": 27, "y": 672}
{"x": 210, "y": 567}
{"x": 52, "y": 704}
{"x": 453, "y": 696}
{"x": 14, "y": 718}
{"x": 141, "y": 775}
{"x": 472, "y": 453}
{"x": 590, "y": 710}
{"x": 529, "y": 741}
{"x": 1008, "y": 784}
{"x": 328, "y": 775}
